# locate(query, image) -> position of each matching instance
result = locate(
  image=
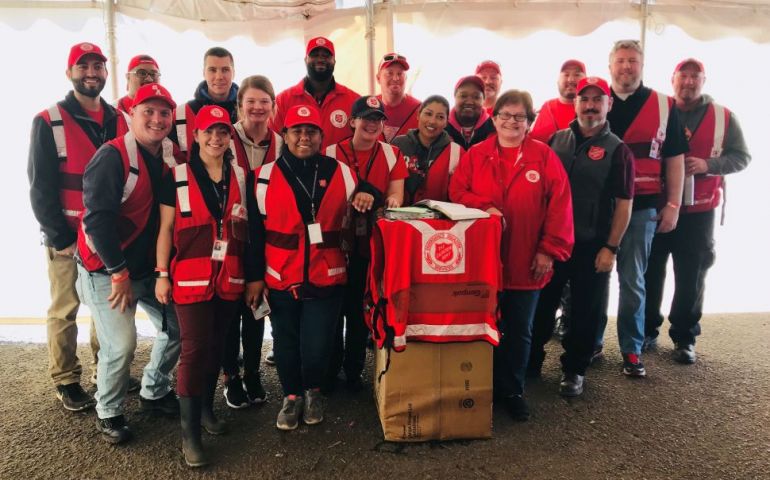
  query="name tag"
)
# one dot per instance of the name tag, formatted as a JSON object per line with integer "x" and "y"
{"x": 655, "y": 148}
{"x": 219, "y": 250}
{"x": 314, "y": 233}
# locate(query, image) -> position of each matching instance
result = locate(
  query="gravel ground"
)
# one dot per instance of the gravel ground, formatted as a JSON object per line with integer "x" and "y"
{"x": 707, "y": 421}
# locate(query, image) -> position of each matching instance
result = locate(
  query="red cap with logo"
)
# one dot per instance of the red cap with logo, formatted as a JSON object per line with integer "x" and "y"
{"x": 319, "y": 42}
{"x": 81, "y": 50}
{"x": 390, "y": 58}
{"x": 153, "y": 91}
{"x": 302, "y": 115}
{"x": 476, "y": 81}
{"x": 488, "y": 64}
{"x": 140, "y": 59}
{"x": 690, "y": 61}
{"x": 573, "y": 63}
{"x": 213, "y": 115}
{"x": 597, "y": 82}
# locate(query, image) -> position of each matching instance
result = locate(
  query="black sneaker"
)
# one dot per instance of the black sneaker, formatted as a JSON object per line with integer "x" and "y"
{"x": 650, "y": 344}
{"x": 166, "y": 405}
{"x": 235, "y": 397}
{"x": 255, "y": 392}
{"x": 74, "y": 398}
{"x": 113, "y": 430}
{"x": 270, "y": 358}
{"x": 517, "y": 408}
{"x": 597, "y": 355}
{"x": 571, "y": 385}
{"x": 632, "y": 365}
{"x": 685, "y": 353}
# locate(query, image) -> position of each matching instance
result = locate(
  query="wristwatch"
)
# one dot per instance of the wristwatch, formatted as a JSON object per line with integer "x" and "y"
{"x": 611, "y": 248}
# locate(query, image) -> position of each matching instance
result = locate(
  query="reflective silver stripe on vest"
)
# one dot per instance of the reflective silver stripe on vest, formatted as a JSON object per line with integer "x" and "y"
{"x": 72, "y": 213}
{"x": 336, "y": 271}
{"x": 167, "y": 147}
{"x": 237, "y": 281}
{"x": 126, "y": 116}
{"x": 454, "y": 157}
{"x": 278, "y": 142}
{"x": 390, "y": 155}
{"x": 271, "y": 271}
{"x": 331, "y": 151}
{"x": 347, "y": 176}
{"x": 193, "y": 283}
{"x": 234, "y": 151}
{"x": 264, "y": 174}
{"x": 182, "y": 191}
{"x": 133, "y": 166}
{"x": 181, "y": 126}
{"x": 240, "y": 177}
{"x": 719, "y": 130}
{"x": 57, "y": 126}
{"x": 663, "y": 115}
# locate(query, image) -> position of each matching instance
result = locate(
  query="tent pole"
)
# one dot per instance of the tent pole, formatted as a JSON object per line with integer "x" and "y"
{"x": 643, "y": 23}
{"x": 370, "y": 42}
{"x": 109, "y": 20}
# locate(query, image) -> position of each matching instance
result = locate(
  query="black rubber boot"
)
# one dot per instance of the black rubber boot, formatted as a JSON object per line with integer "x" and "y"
{"x": 190, "y": 415}
{"x": 209, "y": 421}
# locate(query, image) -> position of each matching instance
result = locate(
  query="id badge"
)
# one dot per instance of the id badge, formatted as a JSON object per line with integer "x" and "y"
{"x": 655, "y": 149}
{"x": 360, "y": 226}
{"x": 314, "y": 233}
{"x": 219, "y": 251}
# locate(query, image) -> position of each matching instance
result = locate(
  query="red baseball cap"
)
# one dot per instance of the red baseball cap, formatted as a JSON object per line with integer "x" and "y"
{"x": 597, "y": 82}
{"x": 488, "y": 64}
{"x": 573, "y": 63}
{"x": 213, "y": 115}
{"x": 302, "y": 115}
{"x": 319, "y": 42}
{"x": 390, "y": 58}
{"x": 470, "y": 79}
{"x": 153, "y": 91}
{"x": 81, "y": 50}
{"x": 140, "y": 59}
{"x": 690, "y": 61}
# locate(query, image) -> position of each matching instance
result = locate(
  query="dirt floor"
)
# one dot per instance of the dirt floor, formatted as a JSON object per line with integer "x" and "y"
{"x": 707, "y": 421}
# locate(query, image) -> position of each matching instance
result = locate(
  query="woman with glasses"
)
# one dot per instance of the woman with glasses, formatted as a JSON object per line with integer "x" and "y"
{"x": 521, "y": 180}
{"x": 430, "y": 154}
{"x": 381, "y": 170}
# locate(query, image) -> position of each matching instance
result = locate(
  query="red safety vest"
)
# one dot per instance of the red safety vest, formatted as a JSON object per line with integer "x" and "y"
{"x": 707, "y": 141}
{"x": 137, "y": 199}
{"x": 286, "y": 233}
{"x": 646, "y": 130}
{"x": 74, "y": 150}
{"x": 242, "y": 159}
{"x": 197, "y": 277}
{"x": 436, "y": 184}
{"x": 435, "y": 281}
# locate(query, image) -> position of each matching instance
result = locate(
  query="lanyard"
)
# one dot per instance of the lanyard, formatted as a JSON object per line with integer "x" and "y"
{"x": 221, "y": 200}
{"x": 369, "y": 163}
{"x": 310, "y": 195}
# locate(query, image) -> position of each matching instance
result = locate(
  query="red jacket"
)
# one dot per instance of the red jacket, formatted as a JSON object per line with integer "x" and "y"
{"x": 552, "y": 117}
{"x": 707, "y": 141}
{"x": 536, "y": 204}
{"x": 197, "y": 277}
{"x": 335, "y": 110}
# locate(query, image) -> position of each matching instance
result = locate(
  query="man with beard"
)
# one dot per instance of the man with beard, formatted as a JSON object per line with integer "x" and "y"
{"x": 142, "y": 69}
{"x": 319, "y": 88}
{"x": 600, "y": 168}
{"x": 489, "y": 73}
{"x": 469, "y": 123}
{"x": 648, "y": 122}
{"x": 717, "y": 148}
{"x": 64, "y": 138}
{"x": 557, "y": 113}
{"x": 400, "y": 107}
{"x": 217, "y": 88}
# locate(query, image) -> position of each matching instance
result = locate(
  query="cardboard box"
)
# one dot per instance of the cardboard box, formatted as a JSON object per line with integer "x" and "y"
{"x": 435, "y": 391}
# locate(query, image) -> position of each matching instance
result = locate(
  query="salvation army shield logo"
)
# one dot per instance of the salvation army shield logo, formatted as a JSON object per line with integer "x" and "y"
{"x": 373, "y": 102}
{"x": 443, "y": 252}
{"x": 596, "y": 153}
{"x": 217, "y": 113}
{"x": 303, "y": 112}
{"x": 339, "y": 118}
{"x": 533, "y": 176}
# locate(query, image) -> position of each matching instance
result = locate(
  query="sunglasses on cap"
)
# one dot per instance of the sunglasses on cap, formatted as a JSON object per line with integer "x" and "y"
{"x": 393, "y": 56}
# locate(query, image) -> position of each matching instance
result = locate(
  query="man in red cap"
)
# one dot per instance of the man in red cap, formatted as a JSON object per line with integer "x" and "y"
{"x": 64, "y": 138}
{"x": 717, "y": 148}
{"x": 600, "y": 168}
{"x": 489, "y": 73}
{"x": 469, "y": 123}
{"x": 116, "y": 261}
{"x": 557, "y": 113}
{"x": 142, "y": 69}
{"x": 400, "y": 107}
{"x": 319, "y": 88}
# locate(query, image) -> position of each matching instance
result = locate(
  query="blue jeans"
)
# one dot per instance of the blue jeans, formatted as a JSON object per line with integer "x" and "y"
{"x": 517, "y": 308}
{"x": 632, "y": 264}
{"x": 116, "y": 332}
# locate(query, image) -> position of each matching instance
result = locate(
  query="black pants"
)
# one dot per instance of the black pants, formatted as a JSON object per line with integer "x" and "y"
{"x": 517, "y": 308}
{"x": 589, "y": 298}
{"x": 350, "y": 353}
{"x": 251, "y": 333}
{"x": 691, "y": 245}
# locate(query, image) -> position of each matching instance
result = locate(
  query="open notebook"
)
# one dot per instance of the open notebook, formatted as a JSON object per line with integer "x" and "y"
{"x": 453, "y": 211}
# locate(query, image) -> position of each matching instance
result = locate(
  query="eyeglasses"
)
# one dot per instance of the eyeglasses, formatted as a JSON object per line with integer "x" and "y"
{"x": 505, "y": 116}
{"x": 142, "y": 73}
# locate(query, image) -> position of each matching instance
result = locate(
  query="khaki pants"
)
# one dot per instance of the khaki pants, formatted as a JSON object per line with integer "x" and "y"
{"x": 63, "y": 363}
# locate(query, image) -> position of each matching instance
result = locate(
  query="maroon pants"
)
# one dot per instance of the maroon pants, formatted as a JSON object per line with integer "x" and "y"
{"x": 202, "y": 329}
